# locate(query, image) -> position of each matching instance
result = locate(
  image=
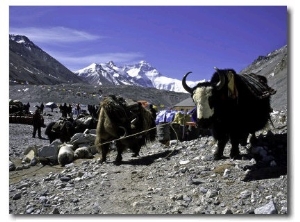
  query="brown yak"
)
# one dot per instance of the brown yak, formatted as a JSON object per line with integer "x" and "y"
{"x": 125, "y": 121}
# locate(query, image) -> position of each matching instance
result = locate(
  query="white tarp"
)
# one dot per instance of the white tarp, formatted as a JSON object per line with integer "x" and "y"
{"x": 51, "y": 105}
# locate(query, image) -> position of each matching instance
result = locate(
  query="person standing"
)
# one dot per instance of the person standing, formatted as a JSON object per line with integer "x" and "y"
{"x": 70, "y": 114}
{"x": 78, "y": 109}
{"x": 37, "y": 122}
{"x": 27, "y": 106}
{"x": 42, "y": 108}
{"x": 64, "y": 110}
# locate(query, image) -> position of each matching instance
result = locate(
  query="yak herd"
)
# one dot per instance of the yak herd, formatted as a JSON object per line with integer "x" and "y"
{"x": 232, "y": 106}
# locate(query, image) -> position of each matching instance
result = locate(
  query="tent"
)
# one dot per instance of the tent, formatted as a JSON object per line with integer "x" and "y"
{"x": 51, "y": 105}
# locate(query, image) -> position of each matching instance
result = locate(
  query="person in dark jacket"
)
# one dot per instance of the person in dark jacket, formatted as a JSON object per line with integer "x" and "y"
{"x": 78, "y": 109}
{"x": 69, "y": 113}
{"x": 42, "y": 107}
{"x": 26, "y": 107}
{"x": 64, "y": 110}
{"x": 37, "y": 123}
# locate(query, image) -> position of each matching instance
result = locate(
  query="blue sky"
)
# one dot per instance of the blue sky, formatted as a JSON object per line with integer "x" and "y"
{"x": 173, "y": 39}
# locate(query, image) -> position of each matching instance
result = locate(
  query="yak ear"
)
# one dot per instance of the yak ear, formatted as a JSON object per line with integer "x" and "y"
{"x": 221, "y": 82}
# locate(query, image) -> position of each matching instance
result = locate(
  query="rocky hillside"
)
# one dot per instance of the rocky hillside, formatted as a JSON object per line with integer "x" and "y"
{"x": 274, "y": 67}
{"x": 29, "y": 64}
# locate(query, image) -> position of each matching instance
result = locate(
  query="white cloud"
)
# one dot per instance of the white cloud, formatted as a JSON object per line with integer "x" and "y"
{"x": 119, "y": 57}
{"x": 75, "y": 63}
{"x": 54, "y": 34}
{"x": 77, "y": 59}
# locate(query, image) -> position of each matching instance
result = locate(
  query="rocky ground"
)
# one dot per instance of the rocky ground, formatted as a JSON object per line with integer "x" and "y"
{"x": 181, "y": 178}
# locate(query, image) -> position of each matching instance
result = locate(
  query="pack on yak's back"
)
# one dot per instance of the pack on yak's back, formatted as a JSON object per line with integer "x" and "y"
{"x": 120, "y": 108}
{"x": 58, "y": 126}
{"x": 132, "y": 105}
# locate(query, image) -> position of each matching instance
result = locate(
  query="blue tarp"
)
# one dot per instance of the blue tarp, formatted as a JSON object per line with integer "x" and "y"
{"x": 165, "y": 116}
{"x": 193, "y": 112}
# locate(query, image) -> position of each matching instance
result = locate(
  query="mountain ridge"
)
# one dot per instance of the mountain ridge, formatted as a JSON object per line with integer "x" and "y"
{"x": 30, "y": 65}
{"x": 140, "y": 74}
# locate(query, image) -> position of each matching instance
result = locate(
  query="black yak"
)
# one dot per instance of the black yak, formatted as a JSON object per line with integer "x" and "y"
{"x": 232, "y": 106}
{"x": 126, "y": 122}
{"x": 62, "y": 129}
{"x": 65, "y": 128}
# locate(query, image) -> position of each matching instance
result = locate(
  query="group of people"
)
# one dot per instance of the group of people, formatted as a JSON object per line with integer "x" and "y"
{"x": 68, "y": 110}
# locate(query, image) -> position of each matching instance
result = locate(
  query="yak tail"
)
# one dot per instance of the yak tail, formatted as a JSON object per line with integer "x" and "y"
{"x": 125, "y": 131}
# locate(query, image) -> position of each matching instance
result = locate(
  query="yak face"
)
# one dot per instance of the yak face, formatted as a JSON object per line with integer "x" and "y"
{"x": 205, "y": 95}
{"x": 202, "y": 97}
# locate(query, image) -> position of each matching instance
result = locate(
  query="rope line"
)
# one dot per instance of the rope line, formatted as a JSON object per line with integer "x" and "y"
{"x": 135, "y": 134}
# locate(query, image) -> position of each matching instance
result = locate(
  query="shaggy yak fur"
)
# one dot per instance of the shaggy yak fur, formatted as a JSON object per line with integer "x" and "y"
{"x": 119, "y": 119}
{"x": 232, "y": 106}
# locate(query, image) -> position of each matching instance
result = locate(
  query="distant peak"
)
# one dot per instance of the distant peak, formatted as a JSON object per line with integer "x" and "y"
{"x": 21, "y": 39}
{"x": 143, "y": 62}
{"x": 92, "y": 66}
{"x": 111, "y": 63}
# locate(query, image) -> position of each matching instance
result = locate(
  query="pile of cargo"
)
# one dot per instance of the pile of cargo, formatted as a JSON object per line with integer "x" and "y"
{"x": 18, "y": 113}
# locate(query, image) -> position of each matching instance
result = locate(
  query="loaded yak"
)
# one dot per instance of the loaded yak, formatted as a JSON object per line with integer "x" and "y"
{"x": 232, "y": 106}
{"x": 126, "y": 123}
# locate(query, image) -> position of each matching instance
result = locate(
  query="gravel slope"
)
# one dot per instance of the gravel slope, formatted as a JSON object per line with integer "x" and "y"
{"x": 178, "y": 179}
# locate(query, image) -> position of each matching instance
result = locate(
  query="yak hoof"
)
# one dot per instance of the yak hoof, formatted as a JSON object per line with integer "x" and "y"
{"x": 134, "y": 155}
{"x": 117, "y": 163}
{"x": 118, "y": 160}
{"x": 102, "y": 161}
{"x": 218, "y": 157}
{"x": 235, "y": 156}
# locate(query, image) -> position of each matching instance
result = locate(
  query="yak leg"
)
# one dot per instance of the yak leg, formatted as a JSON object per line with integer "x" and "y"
{"x": 136, "y": 148}
{"x": 253, "y": 139}
{"x": 244, "y": 138}
{"x": 51, "y": 137}
{"x": 234, "y": 153}
{"x": 119, "y": 146}
{"x": 221, "y": 145}
{"x": 136, "y": 151}
{"x": 104, "y": 150}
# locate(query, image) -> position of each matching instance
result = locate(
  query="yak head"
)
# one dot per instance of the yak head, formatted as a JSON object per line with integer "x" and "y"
{"x": 209, "y": 97}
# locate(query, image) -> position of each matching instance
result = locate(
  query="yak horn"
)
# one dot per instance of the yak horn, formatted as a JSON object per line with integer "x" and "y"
{"x": 185, "y": 86}
{"x": 221, "y": 83}
{"x": 125, "y": 131}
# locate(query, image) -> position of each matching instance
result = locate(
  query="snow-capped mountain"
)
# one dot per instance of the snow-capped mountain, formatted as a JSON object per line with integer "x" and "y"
{"x": 141, "y": 74}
